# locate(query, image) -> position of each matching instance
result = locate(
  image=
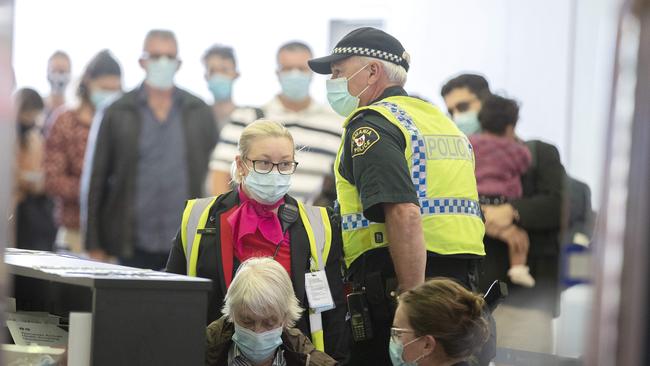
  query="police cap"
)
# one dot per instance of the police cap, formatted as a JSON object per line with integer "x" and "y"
{"x": 368, "y": 42}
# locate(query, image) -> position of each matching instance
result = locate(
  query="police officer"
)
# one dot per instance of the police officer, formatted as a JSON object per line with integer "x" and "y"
{"x": 405, "y": 184}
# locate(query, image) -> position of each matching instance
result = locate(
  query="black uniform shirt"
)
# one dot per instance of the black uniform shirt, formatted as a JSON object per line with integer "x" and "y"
{"x": 373, "y": 160}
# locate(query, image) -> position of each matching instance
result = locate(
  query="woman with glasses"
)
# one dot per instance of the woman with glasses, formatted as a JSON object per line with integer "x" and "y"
{"x": 259, "y": 219}
{"x": 437, "y": 323}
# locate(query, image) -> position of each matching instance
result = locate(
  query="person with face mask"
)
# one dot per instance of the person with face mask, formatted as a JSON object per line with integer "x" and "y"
{"x": 58, "y": 77}
{"x": 405, "y": 184}
{"x": 66, "y": 145}
{"x": 259, "y": 218}
{"x": 150, "y": 155}
{"x": 257, "y": 327}
{"x": 35, "y": 227}
{"x": 437, "y": 323}
{"x": 221, "y": 74}
{"x": 315, "y": 127}
{"x": 464, "y": 96}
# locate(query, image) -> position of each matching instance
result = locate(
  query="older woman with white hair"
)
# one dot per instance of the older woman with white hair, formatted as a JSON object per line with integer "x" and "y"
{"x": 256, "y": 328}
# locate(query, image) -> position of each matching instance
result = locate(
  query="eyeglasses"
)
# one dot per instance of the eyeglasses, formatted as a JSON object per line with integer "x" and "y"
{"x": 265, "y": 166}
{"x": 461, "y": 107}
{"x": 157, "y": 56}
{"x": 396, "y": 333}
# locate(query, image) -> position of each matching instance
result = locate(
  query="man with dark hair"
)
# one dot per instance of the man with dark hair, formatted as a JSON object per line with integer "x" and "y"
{"x": 151, "y": 155}
{"x": 463, "y": 96}
{"x": 315, "y": 128}
{"x": 221, "y": 73}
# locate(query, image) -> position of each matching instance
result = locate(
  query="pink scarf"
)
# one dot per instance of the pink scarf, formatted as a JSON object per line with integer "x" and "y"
{"x": 251, "y": 216}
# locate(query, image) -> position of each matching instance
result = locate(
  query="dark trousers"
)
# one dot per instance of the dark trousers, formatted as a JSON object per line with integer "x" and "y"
{"x": 544, "y": 268}
{"x": 375, "y": 271}
{"x": 146, "y": 260}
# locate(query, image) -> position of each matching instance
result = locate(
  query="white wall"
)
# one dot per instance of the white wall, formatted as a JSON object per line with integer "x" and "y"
{"x": 521, "y": 46}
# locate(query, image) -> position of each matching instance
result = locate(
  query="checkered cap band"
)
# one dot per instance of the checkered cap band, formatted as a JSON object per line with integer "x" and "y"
{"x": 361, "y": 51}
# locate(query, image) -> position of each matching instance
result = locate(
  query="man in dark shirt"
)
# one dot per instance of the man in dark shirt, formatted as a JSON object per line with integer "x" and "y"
{"x": 151, "y": 155}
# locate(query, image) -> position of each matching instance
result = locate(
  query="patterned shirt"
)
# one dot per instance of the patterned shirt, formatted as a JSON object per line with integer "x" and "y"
{"x": 64, "y": 157}
{"x": 236, "y": 358}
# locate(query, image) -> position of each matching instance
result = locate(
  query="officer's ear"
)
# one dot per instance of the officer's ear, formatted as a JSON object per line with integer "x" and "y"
{"x": 376, "y": 70}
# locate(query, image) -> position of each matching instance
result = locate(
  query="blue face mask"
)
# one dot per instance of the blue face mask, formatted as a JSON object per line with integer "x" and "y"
{"x": 468, "y": 123}
{"x": 267, "y": 188}
{"x": 101, "y": 98}
{"x": 220, "y": 86}
{"x": 295, "y": 84}
{"x": 396, "y": 349}
{"x": 257, "y": 347}
{"x": 340, "y": 98}
{"x": 160, "y": 73}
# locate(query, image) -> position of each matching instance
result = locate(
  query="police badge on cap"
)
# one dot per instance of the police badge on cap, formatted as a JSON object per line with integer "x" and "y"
{"x": 368, "y": 42}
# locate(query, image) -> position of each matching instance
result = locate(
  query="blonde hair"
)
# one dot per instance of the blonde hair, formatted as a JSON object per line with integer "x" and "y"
{"x": 259, "y": 128}
{"x": 263, "y": 287}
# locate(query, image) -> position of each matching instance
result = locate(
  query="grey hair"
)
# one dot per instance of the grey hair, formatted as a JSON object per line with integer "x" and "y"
{"x": 161, "y": 34}
{"x": 263, "y": 287}
{"x": 396, "y": 74}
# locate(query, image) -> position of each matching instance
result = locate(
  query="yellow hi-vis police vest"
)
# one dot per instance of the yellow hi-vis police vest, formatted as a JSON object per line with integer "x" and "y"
{"x": 319, "y": 232}
{"x": 441, "y": 162}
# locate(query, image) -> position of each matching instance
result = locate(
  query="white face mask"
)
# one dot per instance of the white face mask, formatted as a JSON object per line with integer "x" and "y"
{"x": 257, "y": 347}
{"x": 340, "y": 98}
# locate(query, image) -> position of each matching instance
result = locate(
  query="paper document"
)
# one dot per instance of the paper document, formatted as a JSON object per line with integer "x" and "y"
{"x": 25, "y": 334}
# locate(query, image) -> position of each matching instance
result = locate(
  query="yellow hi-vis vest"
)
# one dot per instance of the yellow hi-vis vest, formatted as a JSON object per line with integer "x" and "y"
{"x": 441, "y": 162}
{"x": 319, "y": 232}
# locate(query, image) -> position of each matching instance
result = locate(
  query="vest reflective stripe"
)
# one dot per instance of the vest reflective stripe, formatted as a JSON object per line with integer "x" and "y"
{"x": 437, "y": 206}
{"x": 441, "y": 167}
{"x": 194, "y": 217}
{"x": 319, "y": 233}
{"x": 316, "y": 330}
{"x": 418, "y": 147}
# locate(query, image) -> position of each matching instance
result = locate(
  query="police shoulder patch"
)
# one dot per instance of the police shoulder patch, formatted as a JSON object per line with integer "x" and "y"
{"x": 363, "y": 138}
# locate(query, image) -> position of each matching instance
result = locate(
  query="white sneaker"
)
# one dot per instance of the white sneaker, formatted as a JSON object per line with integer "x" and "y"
{"x": 520, "y": 274}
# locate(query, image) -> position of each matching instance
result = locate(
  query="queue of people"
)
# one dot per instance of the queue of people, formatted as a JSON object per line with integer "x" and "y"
{"x": 156, "y": 178}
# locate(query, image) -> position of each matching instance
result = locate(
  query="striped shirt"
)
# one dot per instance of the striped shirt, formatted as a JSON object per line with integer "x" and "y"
{"x": 316, "y": 132}
{"x": 236, "y": 358}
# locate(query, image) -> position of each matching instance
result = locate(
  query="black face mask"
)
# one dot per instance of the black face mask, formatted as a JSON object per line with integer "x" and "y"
{"x": 24, "y": 127}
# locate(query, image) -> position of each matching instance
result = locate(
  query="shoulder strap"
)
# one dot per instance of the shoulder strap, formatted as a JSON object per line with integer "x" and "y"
{"x": 259, "y": 113}
{"x": 194, "y": 218}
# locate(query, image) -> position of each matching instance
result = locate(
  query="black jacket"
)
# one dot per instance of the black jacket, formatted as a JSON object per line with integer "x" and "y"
{"x": 110, "y": 222}
{"x": 540, "y": 214}
{"x": 209, "y": 265}
{"x": 540, "y": 208}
